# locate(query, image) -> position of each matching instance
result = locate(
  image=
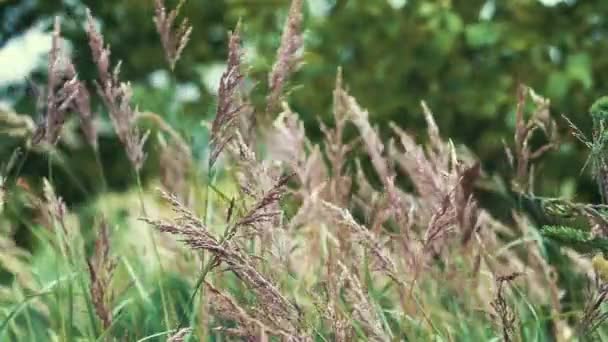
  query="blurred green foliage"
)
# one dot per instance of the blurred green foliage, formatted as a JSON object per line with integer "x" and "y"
{"x": 465, "y": 58}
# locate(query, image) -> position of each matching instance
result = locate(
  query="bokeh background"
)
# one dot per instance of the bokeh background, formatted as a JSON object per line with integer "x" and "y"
{"x": 464, "y": 58}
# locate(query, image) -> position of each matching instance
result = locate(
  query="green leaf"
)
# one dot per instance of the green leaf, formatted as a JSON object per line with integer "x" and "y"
{"x": 558, "y": 84}
{"x": 482, "y": 34}
{"x": 578, "y": 68}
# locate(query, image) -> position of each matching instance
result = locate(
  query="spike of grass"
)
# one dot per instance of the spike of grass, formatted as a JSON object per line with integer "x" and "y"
{"x": 581, "y": 241}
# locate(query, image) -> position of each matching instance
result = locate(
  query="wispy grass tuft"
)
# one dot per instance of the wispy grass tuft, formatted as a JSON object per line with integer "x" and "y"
{"x": 364, "y": 234}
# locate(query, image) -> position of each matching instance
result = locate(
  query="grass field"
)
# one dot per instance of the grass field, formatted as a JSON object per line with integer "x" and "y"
{"x": 272, "y": 236}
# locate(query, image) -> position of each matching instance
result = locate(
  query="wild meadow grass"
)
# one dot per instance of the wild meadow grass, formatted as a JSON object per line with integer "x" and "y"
{"x": 276, "y": 237}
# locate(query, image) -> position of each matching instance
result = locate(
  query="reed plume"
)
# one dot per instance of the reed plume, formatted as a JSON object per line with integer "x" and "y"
{"x": 116, "y": 96}
{"x": 173, "y": 38}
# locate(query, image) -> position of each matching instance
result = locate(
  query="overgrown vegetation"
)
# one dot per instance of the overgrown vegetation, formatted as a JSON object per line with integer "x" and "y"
{"x": 267, "y": 235}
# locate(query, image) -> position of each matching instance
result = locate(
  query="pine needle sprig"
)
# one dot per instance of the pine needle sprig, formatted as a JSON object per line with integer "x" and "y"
{"x": 581, "y": 241}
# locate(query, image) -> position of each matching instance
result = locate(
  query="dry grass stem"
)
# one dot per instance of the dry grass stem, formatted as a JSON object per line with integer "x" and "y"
{"x": 61, "y": 91}
{"x": 180, "y": 335}
{"x": 228, "y": 104}
{"x": 116, "y": 96}
{"x": 287, "y": 55}
{"x": 503, "y": 313}
{"x": 173, "y": 38}
{"x": 524, "y": 131}
{"x": 101, "y": 269}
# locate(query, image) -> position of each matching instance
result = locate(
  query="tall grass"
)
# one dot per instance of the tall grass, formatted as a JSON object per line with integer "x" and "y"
{"x": 282, "y": 238}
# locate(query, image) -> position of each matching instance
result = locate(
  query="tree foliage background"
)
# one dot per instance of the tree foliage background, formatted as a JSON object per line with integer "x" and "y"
{"x": 465, "y": 58}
